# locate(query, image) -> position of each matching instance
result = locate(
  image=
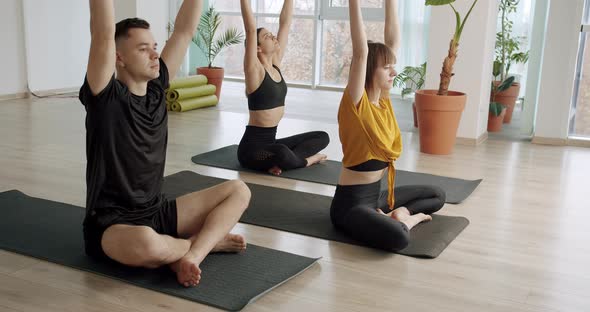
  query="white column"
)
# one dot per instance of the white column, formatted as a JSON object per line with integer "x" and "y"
{"x": 534, "y": 66}
{"x": 558, "y": 69}
{"x": 473, "y": 68}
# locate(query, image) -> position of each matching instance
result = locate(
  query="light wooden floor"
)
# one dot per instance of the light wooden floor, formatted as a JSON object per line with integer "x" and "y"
{"x": 526, "y": 248}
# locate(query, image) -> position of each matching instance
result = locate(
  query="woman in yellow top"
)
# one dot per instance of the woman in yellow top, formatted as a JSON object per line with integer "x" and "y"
{"x": 371, "y": 142}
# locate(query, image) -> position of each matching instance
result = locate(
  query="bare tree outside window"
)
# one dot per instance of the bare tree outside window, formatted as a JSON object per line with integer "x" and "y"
{"x": 337, "y": 49}
{"x": 334, "y": 48}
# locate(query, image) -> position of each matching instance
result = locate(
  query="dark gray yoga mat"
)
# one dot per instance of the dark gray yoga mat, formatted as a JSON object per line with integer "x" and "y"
{"x": 327, "y": 172}
{"x": 52, "y": 231}
{"x": 309, "y": 214}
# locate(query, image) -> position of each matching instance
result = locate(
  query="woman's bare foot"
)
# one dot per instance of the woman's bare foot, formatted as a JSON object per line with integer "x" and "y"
{"x": 230, "y": 243}
{"x": 312, "y": 160}
{"x": 187, "y": 271}
{"x": 275, "y": 171}
{"x": 402, "y": 214}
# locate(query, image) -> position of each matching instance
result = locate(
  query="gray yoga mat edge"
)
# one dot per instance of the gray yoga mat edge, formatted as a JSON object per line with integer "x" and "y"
{"x": 327, "y": 172}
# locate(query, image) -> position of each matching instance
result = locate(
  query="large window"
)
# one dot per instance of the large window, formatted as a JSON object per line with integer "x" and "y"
{"x": 337, "y": 49}
{"x": 580, "y": 112}
{"x": 319, "y": 49}
{"x": 522, "y": 21}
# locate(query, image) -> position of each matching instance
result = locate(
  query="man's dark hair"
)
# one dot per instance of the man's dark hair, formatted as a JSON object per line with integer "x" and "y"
{"x": 122, "y": 27}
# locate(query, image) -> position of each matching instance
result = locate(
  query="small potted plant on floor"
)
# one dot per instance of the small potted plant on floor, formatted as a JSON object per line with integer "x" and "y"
{"x": 410, "y": 80}
{"x": 211, "y": 45}
{"x": 497, "y": 109}
{"x": 439, "y": 111}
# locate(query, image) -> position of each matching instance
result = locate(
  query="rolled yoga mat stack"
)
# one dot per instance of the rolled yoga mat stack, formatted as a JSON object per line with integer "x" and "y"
{"x": 190, "y": 93}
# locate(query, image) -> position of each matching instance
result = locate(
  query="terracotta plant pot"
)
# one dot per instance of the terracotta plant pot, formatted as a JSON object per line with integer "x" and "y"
{"x": 508, "y": 98}
{"x": 495, "y": 122}
{"x": 438, "y": 118}
{"x": 214, "y": 76}
{"x": 415, "y": 115}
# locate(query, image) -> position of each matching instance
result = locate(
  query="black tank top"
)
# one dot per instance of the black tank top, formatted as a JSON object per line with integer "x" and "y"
{"x": 270, "y": 94}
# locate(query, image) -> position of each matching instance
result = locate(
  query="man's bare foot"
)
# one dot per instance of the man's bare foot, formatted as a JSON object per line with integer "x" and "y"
{"x": 230, "y": 243}
{"x": 275, "y": 171}
{"x": 312, "y": 160}
{"x": 187, "y": 271}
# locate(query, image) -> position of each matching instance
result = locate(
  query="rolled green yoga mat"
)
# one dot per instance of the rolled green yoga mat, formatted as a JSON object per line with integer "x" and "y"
{"x": 194, "y": 103}
{"x": 190, "y": 81}
{"x": 187, "y": 93}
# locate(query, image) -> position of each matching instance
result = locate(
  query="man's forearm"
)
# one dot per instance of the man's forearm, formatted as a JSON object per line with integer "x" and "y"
{"x": 188, "y": 17}
{"x": 102, "y": 19}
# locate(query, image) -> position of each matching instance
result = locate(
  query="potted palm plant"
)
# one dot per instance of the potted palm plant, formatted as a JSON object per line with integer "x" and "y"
{"x": 508, "y": 52}
{"x": 409, "y": 80}
{"x": 498, "y": 109}
{"x": 439, "y": 111}
{"x": 211, "y": 45}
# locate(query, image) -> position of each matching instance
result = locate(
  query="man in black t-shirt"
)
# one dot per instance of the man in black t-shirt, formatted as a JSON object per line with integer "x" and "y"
{"x": 127, "y": 218}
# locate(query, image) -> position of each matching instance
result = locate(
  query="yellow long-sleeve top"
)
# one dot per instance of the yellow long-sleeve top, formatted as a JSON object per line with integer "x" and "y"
{"x": 369, "y": 132}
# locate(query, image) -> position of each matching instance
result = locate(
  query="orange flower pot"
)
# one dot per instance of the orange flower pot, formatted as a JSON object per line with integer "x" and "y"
{"x": 438, "y": 120}
{"x": 508, "y": 98}
{"x": 214, "y": 76}
{"x": 495, "y": 122}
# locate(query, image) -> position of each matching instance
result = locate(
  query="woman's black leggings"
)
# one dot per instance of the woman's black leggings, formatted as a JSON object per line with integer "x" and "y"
{"x": 354, "y": 211}
{"x": 260, "y": 150}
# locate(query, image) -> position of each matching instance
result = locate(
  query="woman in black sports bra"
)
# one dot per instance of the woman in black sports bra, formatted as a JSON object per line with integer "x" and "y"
{"x": 266, "y": 90}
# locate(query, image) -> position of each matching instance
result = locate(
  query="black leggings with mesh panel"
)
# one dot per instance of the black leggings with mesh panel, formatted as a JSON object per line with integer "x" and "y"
{"x": 260, "y": 150}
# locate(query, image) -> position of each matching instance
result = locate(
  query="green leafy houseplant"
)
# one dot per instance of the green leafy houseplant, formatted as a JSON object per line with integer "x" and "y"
{"x": 205, "y": 38}
{"x": 447, "y": 69}
{"x": 508, "y": 50}
{"x": 410, "y": 79}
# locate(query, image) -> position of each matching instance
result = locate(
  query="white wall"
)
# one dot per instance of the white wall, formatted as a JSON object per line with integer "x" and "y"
{"x": 558, "y": 68}
{"x": 125, "y": 9}
{"x": 156, "y": 12}
{"x": 45, "y": 43}
{"x": 473, "y": 67}
{"x": 12, "y": 54}
{"x": 57, "y": 40}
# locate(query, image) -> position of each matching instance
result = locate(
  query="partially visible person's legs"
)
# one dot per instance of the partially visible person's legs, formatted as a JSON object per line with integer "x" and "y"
{"x": 298, "y": 151}
{"x": 426, "y": 199}
{"x": 202, "y": 221}
{"x": 354, "y": 211}
{"x": 413, "y": 203}
{"x": 306, "y": 144}
{"x": 205, "y": 218}
{"x": 293, "y": 152}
